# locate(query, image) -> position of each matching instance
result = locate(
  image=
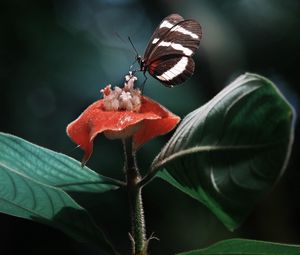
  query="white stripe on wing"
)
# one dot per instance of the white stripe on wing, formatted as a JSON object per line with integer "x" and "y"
{"x": 176, "y": 70}
{"x": 166, "y": 24}
{"x": 176, "y": 46}
{"x": 155, "y": 40}
{"x": 178, "y": 28}
{"x": 184, "y": 31}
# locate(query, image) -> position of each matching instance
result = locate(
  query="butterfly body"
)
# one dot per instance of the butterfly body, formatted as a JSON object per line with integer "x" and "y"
{"x": 168, "y": 56}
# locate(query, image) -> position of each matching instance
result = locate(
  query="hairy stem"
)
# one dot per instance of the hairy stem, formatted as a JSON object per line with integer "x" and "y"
{"x": 133, "y": 177}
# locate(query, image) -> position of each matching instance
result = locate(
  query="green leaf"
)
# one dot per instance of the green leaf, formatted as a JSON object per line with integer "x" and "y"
{"x": 230, "y": 152}
{"x": 49, "y": 167}
{"x": 24, "y": 197}
{"x": 32, "y": 184}
{"x": 246, "y": 247}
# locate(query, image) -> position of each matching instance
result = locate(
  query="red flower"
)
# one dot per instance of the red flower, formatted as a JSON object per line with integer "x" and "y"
{"x": 121, "y": 113}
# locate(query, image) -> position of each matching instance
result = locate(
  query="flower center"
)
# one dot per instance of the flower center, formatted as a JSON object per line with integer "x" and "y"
{"x": 127, "y": 98}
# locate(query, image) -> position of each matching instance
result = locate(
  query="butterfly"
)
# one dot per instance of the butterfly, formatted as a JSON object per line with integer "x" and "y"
{"x": 168, "y": 56}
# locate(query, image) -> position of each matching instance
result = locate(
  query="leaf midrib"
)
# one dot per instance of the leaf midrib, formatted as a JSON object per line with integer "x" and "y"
{"x": 104, "y": 180}
{"x": 37, "y": 182}
{"x": 210, "y": 148}
{"x": 39, "y": 157}
{"x": 204, "y": 110}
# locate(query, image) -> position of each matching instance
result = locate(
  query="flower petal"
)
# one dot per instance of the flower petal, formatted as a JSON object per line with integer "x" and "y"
{"x": 153, "y": 128}
{"x": 153, "y": 120}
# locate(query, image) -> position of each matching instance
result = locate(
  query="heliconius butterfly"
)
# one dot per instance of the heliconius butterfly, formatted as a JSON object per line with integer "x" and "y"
{"x": 168, "y": 56}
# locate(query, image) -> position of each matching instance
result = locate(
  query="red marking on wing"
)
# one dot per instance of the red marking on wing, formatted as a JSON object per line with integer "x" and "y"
{"x": 153, "y": 66}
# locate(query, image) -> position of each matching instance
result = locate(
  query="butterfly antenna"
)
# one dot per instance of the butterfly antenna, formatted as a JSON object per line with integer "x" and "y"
{"x": 122, "y": 40}
{"x": 136, "y": 55}
{"x": 136, "y": 52}
{"x": 137, "y": 59}
{"x": 120, "y": 37}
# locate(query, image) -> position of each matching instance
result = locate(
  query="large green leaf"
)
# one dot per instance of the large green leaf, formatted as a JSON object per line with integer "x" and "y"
{"x": 49, "y": 167}
{"x": 230, "y": 152}
{"x": 246, "y": 247}
{"x": 24, "y": 197}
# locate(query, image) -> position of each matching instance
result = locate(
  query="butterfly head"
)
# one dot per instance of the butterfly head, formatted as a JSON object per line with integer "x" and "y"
{"x": 141, "y": 62}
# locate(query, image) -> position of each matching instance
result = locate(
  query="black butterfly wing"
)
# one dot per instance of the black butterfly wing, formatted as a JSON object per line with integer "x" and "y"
{"x": 163, "y": 28}
{"x": 172, "y": 70}
{"x": 182, "y": 39}
{"x": 168, "y": 55}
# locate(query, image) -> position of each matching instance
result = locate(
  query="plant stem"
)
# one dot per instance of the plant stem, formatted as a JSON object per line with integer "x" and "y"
{"x": 133, "y": 177}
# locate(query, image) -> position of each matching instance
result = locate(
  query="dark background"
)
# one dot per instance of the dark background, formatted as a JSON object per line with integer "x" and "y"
{"x": 55, "y": 56}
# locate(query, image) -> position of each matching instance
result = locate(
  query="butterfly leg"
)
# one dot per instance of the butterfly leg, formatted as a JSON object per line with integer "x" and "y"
{"x": 131, "y": 66}
{"x": 143, "y": 84}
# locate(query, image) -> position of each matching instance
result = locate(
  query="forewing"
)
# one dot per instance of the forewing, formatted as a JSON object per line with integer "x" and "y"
{"x": 182, "y": 39}
{"x": 163, "y": 28}
{"x": 173, "y": 70}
